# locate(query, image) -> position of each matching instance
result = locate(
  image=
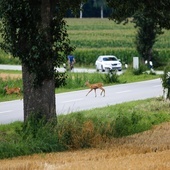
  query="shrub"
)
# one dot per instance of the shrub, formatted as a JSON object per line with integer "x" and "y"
{"x": 140, "y": 70}
{"x": 166, "y": 81}
{"x": 60, "y": 79}
{"x": 127, "y": 125}
{"x": 111, "y": 77}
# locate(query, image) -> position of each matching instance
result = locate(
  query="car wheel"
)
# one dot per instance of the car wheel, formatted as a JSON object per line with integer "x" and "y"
{"x": 102, "y": 68}
{"x": 97, "y": 68}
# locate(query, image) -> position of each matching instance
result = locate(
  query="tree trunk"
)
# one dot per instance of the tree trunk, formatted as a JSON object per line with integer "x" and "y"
{"x": 40, "y": 98}
{"x": 101, "y": 12}
{"x": 81, "y": 10}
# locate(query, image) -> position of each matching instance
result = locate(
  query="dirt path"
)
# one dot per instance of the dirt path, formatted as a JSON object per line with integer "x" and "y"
{"x": 149, "y": 150}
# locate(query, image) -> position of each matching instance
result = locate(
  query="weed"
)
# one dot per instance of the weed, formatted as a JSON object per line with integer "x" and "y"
{"x": 111, "y": 77}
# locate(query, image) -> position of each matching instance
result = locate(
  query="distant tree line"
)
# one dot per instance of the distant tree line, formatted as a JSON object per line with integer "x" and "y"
{"x": 91, "y": 9}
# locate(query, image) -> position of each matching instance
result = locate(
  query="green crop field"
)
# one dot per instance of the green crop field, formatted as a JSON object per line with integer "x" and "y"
{"x": 101, "y": 33}
{"x": 94, "y": 36}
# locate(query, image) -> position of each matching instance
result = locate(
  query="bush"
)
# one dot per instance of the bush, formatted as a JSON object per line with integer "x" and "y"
{"x": 8, "y": 59}
{"x": 60, "y": 79}
{"x": 166, "y": 81}
{"x": 127, "y": 125}
{"x": 111, "y": 77}
{"x": 140, "y": 70}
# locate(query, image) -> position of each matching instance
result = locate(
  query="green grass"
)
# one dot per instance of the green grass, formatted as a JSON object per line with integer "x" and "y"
{"x": 83, "y": 129}
{"x": 11, "y": 71}
{"x": 11, "y": 83}
{"x": 76, "y": 81}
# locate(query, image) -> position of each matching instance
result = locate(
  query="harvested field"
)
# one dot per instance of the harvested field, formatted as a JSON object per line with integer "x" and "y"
{"x": 149, "y": 150}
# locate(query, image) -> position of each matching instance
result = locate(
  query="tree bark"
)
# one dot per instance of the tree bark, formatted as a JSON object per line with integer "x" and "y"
{"x": 101, "y": 11}
{"x": 81, "y": 10}
{"x": 40, "y": 99}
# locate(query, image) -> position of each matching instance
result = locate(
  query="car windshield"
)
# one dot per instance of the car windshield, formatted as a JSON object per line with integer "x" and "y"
{"x": 109, "y": 59}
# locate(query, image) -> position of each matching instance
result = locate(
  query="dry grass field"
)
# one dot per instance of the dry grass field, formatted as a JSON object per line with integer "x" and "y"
{"x": 149, "y": 150}
{"x": 12, "y": 76}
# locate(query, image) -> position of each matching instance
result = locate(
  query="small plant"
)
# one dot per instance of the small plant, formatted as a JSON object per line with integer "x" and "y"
{"x": 60, "y": 79}
{"x": 111, "y": 77}
{"x": 140, "y": 70}
{"x": 166, "y": 82}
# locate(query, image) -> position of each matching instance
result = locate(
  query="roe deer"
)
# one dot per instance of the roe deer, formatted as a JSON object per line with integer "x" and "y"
{"x": 94, "y": 87}
{"x": 15, "y": 90}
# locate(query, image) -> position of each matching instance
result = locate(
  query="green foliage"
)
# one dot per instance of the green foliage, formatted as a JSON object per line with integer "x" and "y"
{"x": 140, "y": 70}
{"x": 60, "y": 79}
{"x": 82, "y": 129}
{"x": 147, "y": 32}
{"x": 34, "y": 136}
{"x": 32, "y": 126}
{"x": 160, "y": 62}
{"x": 8, "y": 59}
{"x": 99, "y": 37}
{"x": 111, "y": 77}
{"x": 127, "y": 125}
{"x": 39, "y": 43}
{"x": 156, "y": 10}
{"x": 166, "y": 81}
{"x": 149, "y": 17}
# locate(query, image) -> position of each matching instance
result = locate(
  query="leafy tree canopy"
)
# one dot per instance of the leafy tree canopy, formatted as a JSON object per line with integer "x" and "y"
{"x": 158, "y": 10}
{"x": 35, "y": 41}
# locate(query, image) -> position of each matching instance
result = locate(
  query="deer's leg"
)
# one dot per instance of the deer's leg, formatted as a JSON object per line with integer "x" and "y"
{"x": 95, "y": 92}
{"x": 102, "y": 91}
{"x": 89, "y": 92}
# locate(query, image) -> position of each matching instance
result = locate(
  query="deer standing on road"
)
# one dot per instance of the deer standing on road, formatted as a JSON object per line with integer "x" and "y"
{"x": 94, "y": 87}
{"x": 15, "y": 90}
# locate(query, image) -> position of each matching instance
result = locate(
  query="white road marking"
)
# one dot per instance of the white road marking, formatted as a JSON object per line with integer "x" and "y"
{"x": 68, "y": 101}
{"x": 157, "y": 86}
{"x": 6, "y": 111}
{"x": 124, "y": 91}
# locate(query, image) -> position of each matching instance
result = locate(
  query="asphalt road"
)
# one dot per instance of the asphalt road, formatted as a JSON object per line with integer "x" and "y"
{"x": 18, "y": 67}
{"x": 77, "y": 100}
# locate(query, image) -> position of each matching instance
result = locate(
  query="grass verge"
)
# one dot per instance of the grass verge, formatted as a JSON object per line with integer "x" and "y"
{"x": 73, "y": 81}
{"x": 83, "y": 129}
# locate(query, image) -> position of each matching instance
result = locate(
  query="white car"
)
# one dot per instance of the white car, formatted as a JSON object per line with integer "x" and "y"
{"x": 107, "y": 63}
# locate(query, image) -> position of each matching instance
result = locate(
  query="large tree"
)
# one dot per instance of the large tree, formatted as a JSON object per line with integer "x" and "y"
{"x": 35, "y": 31}
{"x": 147, "y": 32}
{"x": 149, "y": 16}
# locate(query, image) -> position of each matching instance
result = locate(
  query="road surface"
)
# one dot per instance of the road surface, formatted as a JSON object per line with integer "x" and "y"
{"x": 19, "y": 68}
{"x": 77, "y": 100}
